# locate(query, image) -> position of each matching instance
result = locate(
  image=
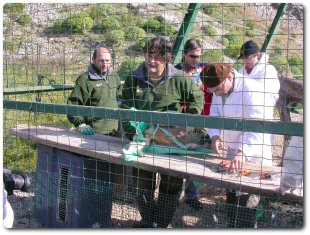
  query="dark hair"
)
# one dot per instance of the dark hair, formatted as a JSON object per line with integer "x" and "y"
{"x": 161, "y": 45}
{"x": 191, "y": 44}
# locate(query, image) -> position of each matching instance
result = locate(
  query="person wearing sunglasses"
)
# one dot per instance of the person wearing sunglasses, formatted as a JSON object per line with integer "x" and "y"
{"x": 192, "y": 67}
{"x": 238, "y": 96}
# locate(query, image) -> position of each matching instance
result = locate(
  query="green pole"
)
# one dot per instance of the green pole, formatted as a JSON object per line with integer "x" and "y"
{"x": 274, "y": 26}
{"x": 185, "y": 30}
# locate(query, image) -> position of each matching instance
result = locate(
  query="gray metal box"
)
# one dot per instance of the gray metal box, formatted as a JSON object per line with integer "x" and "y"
{"x": 71, "y": 190}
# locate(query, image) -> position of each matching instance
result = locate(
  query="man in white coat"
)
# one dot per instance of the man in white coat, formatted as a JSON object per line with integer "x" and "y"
{"x": 256, "y": 66}
{"x": 238, "y": 96}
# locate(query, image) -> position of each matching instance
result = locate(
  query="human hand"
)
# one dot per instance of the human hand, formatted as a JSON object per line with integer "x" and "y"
{"x": 86, "y": 129}
{"x": 236, "y": 164}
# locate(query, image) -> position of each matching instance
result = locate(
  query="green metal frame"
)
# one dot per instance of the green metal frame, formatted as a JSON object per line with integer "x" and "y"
{"x": 275, "y": 25}
{"x": 185, "y": 30}
{"x": 199, "y": 121}
{"x": 36, "y": 89}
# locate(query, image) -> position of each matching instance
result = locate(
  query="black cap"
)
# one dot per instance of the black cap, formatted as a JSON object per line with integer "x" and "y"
{"x": 247, "y": 49}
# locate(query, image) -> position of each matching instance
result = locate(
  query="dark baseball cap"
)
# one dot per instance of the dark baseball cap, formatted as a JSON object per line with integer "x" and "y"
{"x": 248, "y": 48}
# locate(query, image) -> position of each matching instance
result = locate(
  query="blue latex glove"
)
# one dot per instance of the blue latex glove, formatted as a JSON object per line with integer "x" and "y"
{"x": 140, "y": 126}
{"x": 86, "y": 129}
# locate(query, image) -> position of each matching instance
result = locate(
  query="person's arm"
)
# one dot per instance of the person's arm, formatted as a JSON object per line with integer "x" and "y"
{"x": 119, "y": 89}
{"x": 78, "y": 96}
{"x": 253, "y": 108}
{"x": 194, "y": 98}
{"x": 272, "y": 85}
{"x": 214, "y": 112}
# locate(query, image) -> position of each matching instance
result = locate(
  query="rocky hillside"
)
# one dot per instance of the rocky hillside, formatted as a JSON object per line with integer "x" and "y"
{"x": 35, "y": 41}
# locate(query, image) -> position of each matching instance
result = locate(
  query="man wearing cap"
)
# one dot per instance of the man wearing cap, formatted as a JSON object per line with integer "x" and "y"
{"x": 238, "y": 96}
{"x": 256, "y": 66}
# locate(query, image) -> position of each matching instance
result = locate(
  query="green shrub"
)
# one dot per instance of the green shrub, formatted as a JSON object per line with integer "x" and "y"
{"x": 109, "y": 23}
{"x": 151, "y": 25}
{"x": 19, "y": 155}
{"x": 101, "y": 10}
{"x": 296, "y": 61}
{"x": 12, "y": 45}
{"x": 297, "y": 73}
{"x": 128, "y": 66}
{"x": 138, "y": 47}
{"x": 6, "y": 23}
{"x": 278, "y": 50}
{"x": 297, "y": 67}
{"x": 250, "y": 33}
{"x": 141, "y": 22}
{"x": 129, "y": 20}
{"x": 58, "y": 27}
{"x": 115, "y": 37}
{"x": 208, "y": 8}
{"x": 250, "y": 24}
{"x": 232, "y": 50}
{"x": 209, "y": 30}
{"x": 78, "y": 22}
{"x": 234, "y": 37}
{"x": 280, "y": 63}
{"x": 211, "y": 56}
{"x": 24, "y": 19}
{"x": 225, "y": 42}
{"x": 166, "y": 29}
{"x": 13, "y": 8}
{"x": 134, "y": 33}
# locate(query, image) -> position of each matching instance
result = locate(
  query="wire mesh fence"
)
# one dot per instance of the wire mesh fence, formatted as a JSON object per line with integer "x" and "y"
{"x": 94, "y": 181}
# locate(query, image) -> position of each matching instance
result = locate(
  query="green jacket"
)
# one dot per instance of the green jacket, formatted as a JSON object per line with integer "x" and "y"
{"x": 173, "y": 91}
{"x": 92, "y": 89}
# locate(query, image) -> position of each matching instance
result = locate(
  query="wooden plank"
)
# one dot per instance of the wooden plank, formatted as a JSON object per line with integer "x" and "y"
{"x": 189, "y": 167}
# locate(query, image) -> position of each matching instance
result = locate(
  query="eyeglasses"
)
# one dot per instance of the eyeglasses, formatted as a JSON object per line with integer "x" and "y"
{"x": 195, "y": 56}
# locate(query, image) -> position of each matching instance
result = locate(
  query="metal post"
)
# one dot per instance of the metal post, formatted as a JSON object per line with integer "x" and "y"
{"x": 274, "y": 26}
{"x": 185, "y": 30}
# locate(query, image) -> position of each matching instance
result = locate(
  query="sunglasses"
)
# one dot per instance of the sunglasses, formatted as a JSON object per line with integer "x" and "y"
{"x": 195, "y": 56}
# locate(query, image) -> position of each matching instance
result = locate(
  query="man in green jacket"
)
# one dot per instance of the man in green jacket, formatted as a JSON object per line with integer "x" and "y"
{"x": 157, "y": 86}
{"x": 100, "y": 87}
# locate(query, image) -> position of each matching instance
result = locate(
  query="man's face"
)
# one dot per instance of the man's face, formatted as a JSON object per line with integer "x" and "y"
{"x": 102, "y": 62}
{"x": 154, "y": 62}
{"x": 251, "y": 61}
{"x": 224, "y": 88}
{"x": 192, "y": 58}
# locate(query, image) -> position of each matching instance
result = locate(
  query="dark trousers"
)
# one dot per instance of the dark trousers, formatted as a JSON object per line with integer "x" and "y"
{"x": 241, "y": 210}
{"x": 161, "y": 212}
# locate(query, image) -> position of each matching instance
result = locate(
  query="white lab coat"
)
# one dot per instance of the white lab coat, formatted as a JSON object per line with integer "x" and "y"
{"x": 267, "y": 75}
{"x": 8, "y": 214}
{"x": 247, "y": 101}
{"x": 293, "y": 166}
